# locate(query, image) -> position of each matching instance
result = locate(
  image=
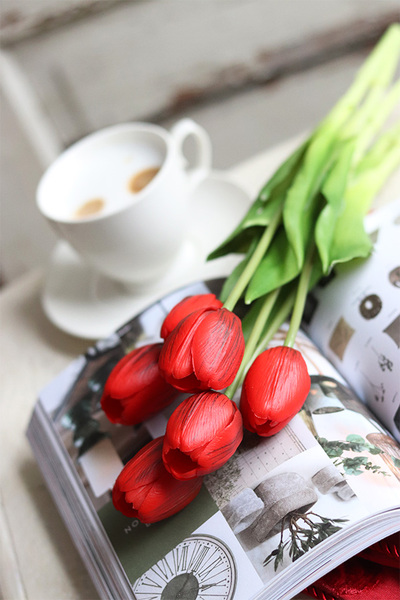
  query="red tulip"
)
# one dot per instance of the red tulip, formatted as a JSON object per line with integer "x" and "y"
{"x": 146, "y": 491}
{"x": 204, "y": 351}
{"x": 202, "y": 434}
{"x": 187, "y": 306}
{"x": 274, "y": 390}
{"x": 135, "y": 389}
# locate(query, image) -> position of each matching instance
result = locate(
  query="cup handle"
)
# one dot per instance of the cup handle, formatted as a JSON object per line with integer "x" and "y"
{"x": 201, "y": 165}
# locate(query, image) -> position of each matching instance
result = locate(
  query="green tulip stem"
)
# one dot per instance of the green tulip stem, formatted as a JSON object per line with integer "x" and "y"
{"x": 300, "y": 300}
{"x": 275, "y": 324}
{"x": 254, "y": 261}
{"x": 255, "y": 334}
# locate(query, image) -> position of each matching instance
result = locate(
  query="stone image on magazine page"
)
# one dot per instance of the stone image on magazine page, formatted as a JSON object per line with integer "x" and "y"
{"x": 295, "y": 507}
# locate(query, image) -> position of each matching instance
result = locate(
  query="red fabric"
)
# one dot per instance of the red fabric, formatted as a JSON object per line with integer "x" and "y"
{"x": 386, "y": 552}
{"x": 371, "y": 575}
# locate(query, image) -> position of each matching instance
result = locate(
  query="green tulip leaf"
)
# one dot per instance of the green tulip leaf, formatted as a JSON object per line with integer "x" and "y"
{"x": 268, "y": 202}
{"x": 303, "y": 198}
{"x": 350, "y": 239}
{"x": 354, "y": 115}
{"x": 309, "y": 216}
{"x": 254, "y": 222}
{"x": 333, "y": 190}
{"x": 382, "y": 159}
{"x": 278, "y": 267}
{"x": 284, "y": 173}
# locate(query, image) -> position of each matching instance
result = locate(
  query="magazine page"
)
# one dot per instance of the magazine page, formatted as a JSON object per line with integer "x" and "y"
{"x": 276, "y": 504}
{"x": 354, "y": 318}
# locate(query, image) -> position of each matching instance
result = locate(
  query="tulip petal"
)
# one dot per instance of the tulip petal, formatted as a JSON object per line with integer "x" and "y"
{"x": 118, "y": 499}
{"x": 176, "y": 357}
{"x": 134, "y": 371}
{"x": 274, "y": 390}
{"x": 198, "y": 419}
{"x": 269, "y": 428}
{"x": 143, "y": 469}
{"x": 207, "y": 346}
{"x": 185, "y": 307}
{"x": 218, "y": 348}
{"x": 284, "y": 380}
{"x": 167, "y": 497}
{"x": 135, "y": 389}
{"x": 139, "y": 475}
{"x": 223, "y": 445}
{"x": 202, "y": 434}
{"x": 145, "y": 490}
{"x": 186, "y": 384}
{"x": 179, "y": 464}
{"x": 112, "y": 407}
{"x": 148, "y": 402}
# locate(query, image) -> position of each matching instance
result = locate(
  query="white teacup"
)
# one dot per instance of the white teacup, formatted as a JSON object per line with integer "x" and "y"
{"x": 120, "y": 197}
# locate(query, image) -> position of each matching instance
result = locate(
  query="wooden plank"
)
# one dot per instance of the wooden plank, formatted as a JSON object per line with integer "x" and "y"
{"x": 11, "y": 580}
{"x": 263, "y": 116}
{"x": 162, "y": 60}
{"x": 20, "y": 19}
{"x": 149, "y": 60}
{"x": 239, "y": 126}
{"x": 26, "y": 239}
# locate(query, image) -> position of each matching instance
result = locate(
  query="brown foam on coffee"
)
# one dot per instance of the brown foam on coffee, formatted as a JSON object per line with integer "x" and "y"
{"x": 139, "y": 181}
{"x": 90, "y": 208}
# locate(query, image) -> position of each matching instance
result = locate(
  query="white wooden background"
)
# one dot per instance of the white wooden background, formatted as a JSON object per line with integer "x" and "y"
{"x": 253, "y": 72}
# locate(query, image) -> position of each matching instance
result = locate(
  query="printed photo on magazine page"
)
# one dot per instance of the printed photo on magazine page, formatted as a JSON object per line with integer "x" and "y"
{"x": 272, "y": 505}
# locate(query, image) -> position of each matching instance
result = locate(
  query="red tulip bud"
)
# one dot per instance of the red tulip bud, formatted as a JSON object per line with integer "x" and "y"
{"x": 274, "y": 390}
{"x": 146, "y": 491}
{"x": 185, "y": 307}
{"x": 204, "y": 351}
{"x": 202, "y": 434}
{"x": 135, "y": 389}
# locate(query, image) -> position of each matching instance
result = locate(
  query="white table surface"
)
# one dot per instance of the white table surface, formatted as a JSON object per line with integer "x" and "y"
{"x": 38, "y": 560}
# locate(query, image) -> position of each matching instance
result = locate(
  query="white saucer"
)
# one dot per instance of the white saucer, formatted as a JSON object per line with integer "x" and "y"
{"x": 83, "y": 303}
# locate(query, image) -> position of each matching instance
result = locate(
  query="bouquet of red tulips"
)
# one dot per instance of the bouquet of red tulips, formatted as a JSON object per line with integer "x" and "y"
{"x": 307, "y": 218}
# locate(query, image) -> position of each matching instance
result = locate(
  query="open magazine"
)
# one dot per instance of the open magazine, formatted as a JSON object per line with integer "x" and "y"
{"x": 283, "y": 511}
